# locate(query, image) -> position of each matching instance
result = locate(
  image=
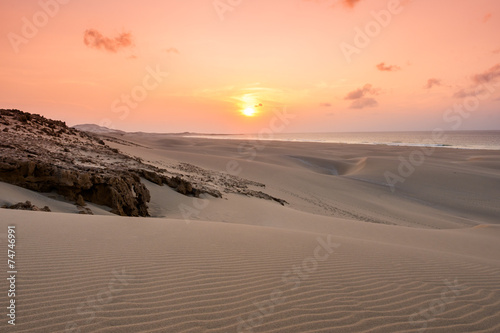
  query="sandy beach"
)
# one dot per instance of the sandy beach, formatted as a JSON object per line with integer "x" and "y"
{"x": 345, "y": 252}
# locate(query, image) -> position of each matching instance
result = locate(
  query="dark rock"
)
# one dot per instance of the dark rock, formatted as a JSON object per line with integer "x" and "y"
{"x": 27, "y": 206}
{"x": 151, "y": 176}
{"x": 84, "y": 210}
{"x": 31, "y": 157}
{"x": 182, "y": 186}
{"x": 121, "y": 191}
{"x": 80, "y": 201}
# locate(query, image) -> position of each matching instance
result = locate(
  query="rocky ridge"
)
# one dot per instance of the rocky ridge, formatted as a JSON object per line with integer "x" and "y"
{"x": 27, "y": 206}
{"x": 46, "y": 155}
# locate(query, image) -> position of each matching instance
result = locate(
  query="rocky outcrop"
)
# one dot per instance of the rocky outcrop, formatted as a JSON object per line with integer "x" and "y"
{"x": 45, "y": 155}
{"x": 179, "y": 184}
{"x": 27, "y": 206}
{"x": 123, "y": 192}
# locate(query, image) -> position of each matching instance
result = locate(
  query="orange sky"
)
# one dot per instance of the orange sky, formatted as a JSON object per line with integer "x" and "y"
{"x": 199, "y": 65}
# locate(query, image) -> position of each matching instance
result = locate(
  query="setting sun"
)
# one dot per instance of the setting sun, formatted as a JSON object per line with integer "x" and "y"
{"x": 249, "y": 112}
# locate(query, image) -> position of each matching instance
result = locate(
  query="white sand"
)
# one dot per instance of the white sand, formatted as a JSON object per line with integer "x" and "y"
{"x": 424, "y": 258}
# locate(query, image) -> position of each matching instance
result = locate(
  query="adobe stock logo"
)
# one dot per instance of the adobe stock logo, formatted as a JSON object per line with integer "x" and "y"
{"x": 223, "y": 6}
{"x": 138, "y": 93}
{"x": 30, "y": 28}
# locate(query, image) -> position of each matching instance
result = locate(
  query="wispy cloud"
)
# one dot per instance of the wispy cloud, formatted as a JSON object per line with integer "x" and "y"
{"x": 387, "y": 68}
{"x": 94, "y": 39}
{"x": 486, "y": 17}
{"x": 325, "y": 105}
{"x": 362, "y": 92}
{"x": 487, "y": 76}
{"x": 364, "y": 103}
{"x": 479, "y": 82}
{"x": 468, "y": 92}
{"x": 433, "y": 82}
{"x": 360, "y": 97}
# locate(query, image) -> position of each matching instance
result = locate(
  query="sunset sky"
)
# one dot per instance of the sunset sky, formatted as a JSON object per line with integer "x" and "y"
{"x": 227, "y": 66}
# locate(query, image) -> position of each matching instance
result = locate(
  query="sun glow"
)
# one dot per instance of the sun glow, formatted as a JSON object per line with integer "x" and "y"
{"x": 249, "y": 112}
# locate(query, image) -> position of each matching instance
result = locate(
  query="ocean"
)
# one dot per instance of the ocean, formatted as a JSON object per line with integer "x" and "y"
{"x": 452, "y": 139}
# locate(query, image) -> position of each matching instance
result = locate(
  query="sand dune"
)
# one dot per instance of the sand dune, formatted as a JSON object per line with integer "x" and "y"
{"x": 446, "y": 191}
{"x": 206, "y": 276}
{"x": 332, "y": 167}
{"x": 346, "y": 254}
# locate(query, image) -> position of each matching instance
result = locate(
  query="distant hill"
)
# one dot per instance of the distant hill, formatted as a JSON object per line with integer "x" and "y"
{"x": 93, "y": 128}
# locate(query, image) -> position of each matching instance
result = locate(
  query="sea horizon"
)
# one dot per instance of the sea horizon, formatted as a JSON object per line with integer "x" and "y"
{"x": 466, "y": 139}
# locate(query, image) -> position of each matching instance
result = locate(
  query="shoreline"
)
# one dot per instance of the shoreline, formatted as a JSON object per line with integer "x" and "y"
{"x": 340, "y": 143}
{"x": 475, "y": 140}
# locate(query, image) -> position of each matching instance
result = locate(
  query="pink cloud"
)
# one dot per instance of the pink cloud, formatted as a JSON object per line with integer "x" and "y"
{"x": 490, "y": 75}
{"x": 432, "y": 83}
{"x": 360, "y": 97}
{"x": 364, "y": 103}
{"x": 94, "y": 39}
{"x": 386, "y": 68}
